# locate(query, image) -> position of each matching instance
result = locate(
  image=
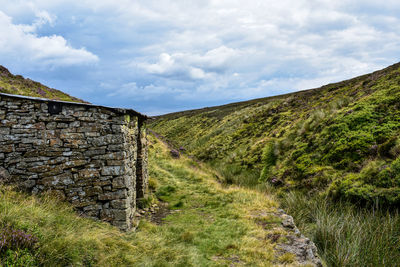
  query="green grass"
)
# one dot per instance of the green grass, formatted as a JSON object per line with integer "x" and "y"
{"x": 210, "y": 224}
{"x": 345, "y": 234}
{"x": 337, "y": 146}
{"x": 321, "y": 140}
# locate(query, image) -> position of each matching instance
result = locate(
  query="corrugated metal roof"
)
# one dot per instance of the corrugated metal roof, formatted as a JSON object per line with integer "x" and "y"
{"x": 116, "y": 110}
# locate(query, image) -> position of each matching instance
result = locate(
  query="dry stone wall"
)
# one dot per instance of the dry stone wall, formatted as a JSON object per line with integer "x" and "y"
{"x": 141, "y": 166}
{"x": 92, "y": 156}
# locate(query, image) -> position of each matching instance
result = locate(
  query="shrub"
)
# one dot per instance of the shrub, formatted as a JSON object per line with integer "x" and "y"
{"x": 268, "y": 158}
{"x": 349, "y": 150}
{"x": 153, "y": 184}
{"x": 395, "y": 150}
{"x": 385, "y": 149}
{"x": 16, "y": 247}
{"x": 396, "y": 170}
{"x": 18, "y": 258}
{"x": 165, "y": 191}
{"x": 15, "y": 239}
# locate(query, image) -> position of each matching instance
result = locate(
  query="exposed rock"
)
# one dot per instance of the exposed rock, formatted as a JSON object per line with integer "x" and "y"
{"x": 297, "y": 244}
{"x": 175, "y": 153}
{"x": 4, "y": 176}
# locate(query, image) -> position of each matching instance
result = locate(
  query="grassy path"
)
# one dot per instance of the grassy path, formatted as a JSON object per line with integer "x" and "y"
{"x": 209, "y": 225}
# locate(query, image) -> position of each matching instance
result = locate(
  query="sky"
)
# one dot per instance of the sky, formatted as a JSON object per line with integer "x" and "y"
{"x": 168, "y": 55}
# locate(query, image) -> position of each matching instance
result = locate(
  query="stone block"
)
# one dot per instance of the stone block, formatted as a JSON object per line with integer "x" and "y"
{"x": 34, "y": 141}
{"x": 28, "y": 184}
{"x": 92, "y": 207}
{"x": 119, "y": 215}
{"x": 44, "y": 108}
{"x": 56, "y": 142}
{"x": 4, "y": 175}
{"x": 69, "y": 135}
{"x": 119, "y": 204}
{"x": 82, "y": 203}
{"x": 62, "y": 125}
{"x": 115, "y": 162}
{"x": 122, "y": 225}
{"x": 113, "y": 170}
{"x": 93, "y": 190}
{"x": 92, "y": 134}
{"x": 40, "y": 168}
{"x": 105, "y": 215}
{"x": 94, "y": 152}
{"x": 7, "y": 148}
{"x": 51, "y": 125}
{"x": 89, "y": 173}
{"x": 118, "y": 147}
{"x": 4, "y": 130}
{"x": 120, "y": 182}
{"x": 97, "y": 182}
{"x": 75, "y": 124}
{"x": 74, "y": 163}
{"x": 62, "y": 179}
{"x": 55, "y": 170}
{"x": 120, "y": 155}
{"x": 120, "y": 194}
{"x": 75, "y": 143}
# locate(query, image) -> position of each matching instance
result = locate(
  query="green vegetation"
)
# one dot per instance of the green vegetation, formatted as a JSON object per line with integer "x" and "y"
{"x": 208, "y": 224}
{"x": 332, "y": 154}
{"x": 342, "y": 139}
{"x": 18, "y": 85}
{"x": 346, "y": 235}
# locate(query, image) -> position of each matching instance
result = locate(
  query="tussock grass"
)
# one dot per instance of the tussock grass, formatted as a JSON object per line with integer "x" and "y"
{"x": 210, "y": 224}
{"x": 64, "y": 237}
{"x": 315, "y": 140}
{"x": 345, "y": 234}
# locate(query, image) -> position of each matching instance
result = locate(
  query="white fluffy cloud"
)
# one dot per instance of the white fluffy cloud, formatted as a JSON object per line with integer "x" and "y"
{"x": 21, "y": 43}
{"x": 193, "y": 66}
{"x": 205, "y": 51}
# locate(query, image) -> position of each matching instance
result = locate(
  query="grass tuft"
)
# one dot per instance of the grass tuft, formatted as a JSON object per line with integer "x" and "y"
{"x": 345, "y": 234}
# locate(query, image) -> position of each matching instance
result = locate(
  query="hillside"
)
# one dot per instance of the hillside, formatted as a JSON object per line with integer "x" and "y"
{"x": 195, "y": 221}
{"x": 18, "y": 85}
{"x": 342, "y": 139}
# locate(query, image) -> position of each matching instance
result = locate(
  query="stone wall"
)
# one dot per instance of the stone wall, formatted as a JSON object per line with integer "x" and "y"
{"x": 92, "y": 156}
{"x": 141, "y": 164}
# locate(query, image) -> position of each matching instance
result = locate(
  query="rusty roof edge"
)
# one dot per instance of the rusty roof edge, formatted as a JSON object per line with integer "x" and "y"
{"x": 117, "y": 110}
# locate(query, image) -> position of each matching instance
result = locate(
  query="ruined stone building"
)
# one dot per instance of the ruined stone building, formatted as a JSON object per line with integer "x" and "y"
{"x": 92, "y": 156}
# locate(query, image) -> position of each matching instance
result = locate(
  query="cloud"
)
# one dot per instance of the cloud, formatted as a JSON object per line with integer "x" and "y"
{"x": 132, "y": 91}
{"x": 193, "y": 66}
{"x": 20, "y": 42}
{"x": 201, "y": 52}
{"x": 229, "y": 48}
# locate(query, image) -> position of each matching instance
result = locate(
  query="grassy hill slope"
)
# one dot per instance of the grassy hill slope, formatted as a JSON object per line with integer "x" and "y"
{"x": 18, "y": 85}
{"x": 342, "y": 139}
{"x": 204, "y": 224}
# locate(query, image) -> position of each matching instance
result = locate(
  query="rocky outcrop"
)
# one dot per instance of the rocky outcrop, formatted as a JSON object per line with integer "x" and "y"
{"x": 92, "y": 156}
{"x": 297, "y": 244}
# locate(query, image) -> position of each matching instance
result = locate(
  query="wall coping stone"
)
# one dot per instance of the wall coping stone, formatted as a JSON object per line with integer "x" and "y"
{"x": 46, "y": 100}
